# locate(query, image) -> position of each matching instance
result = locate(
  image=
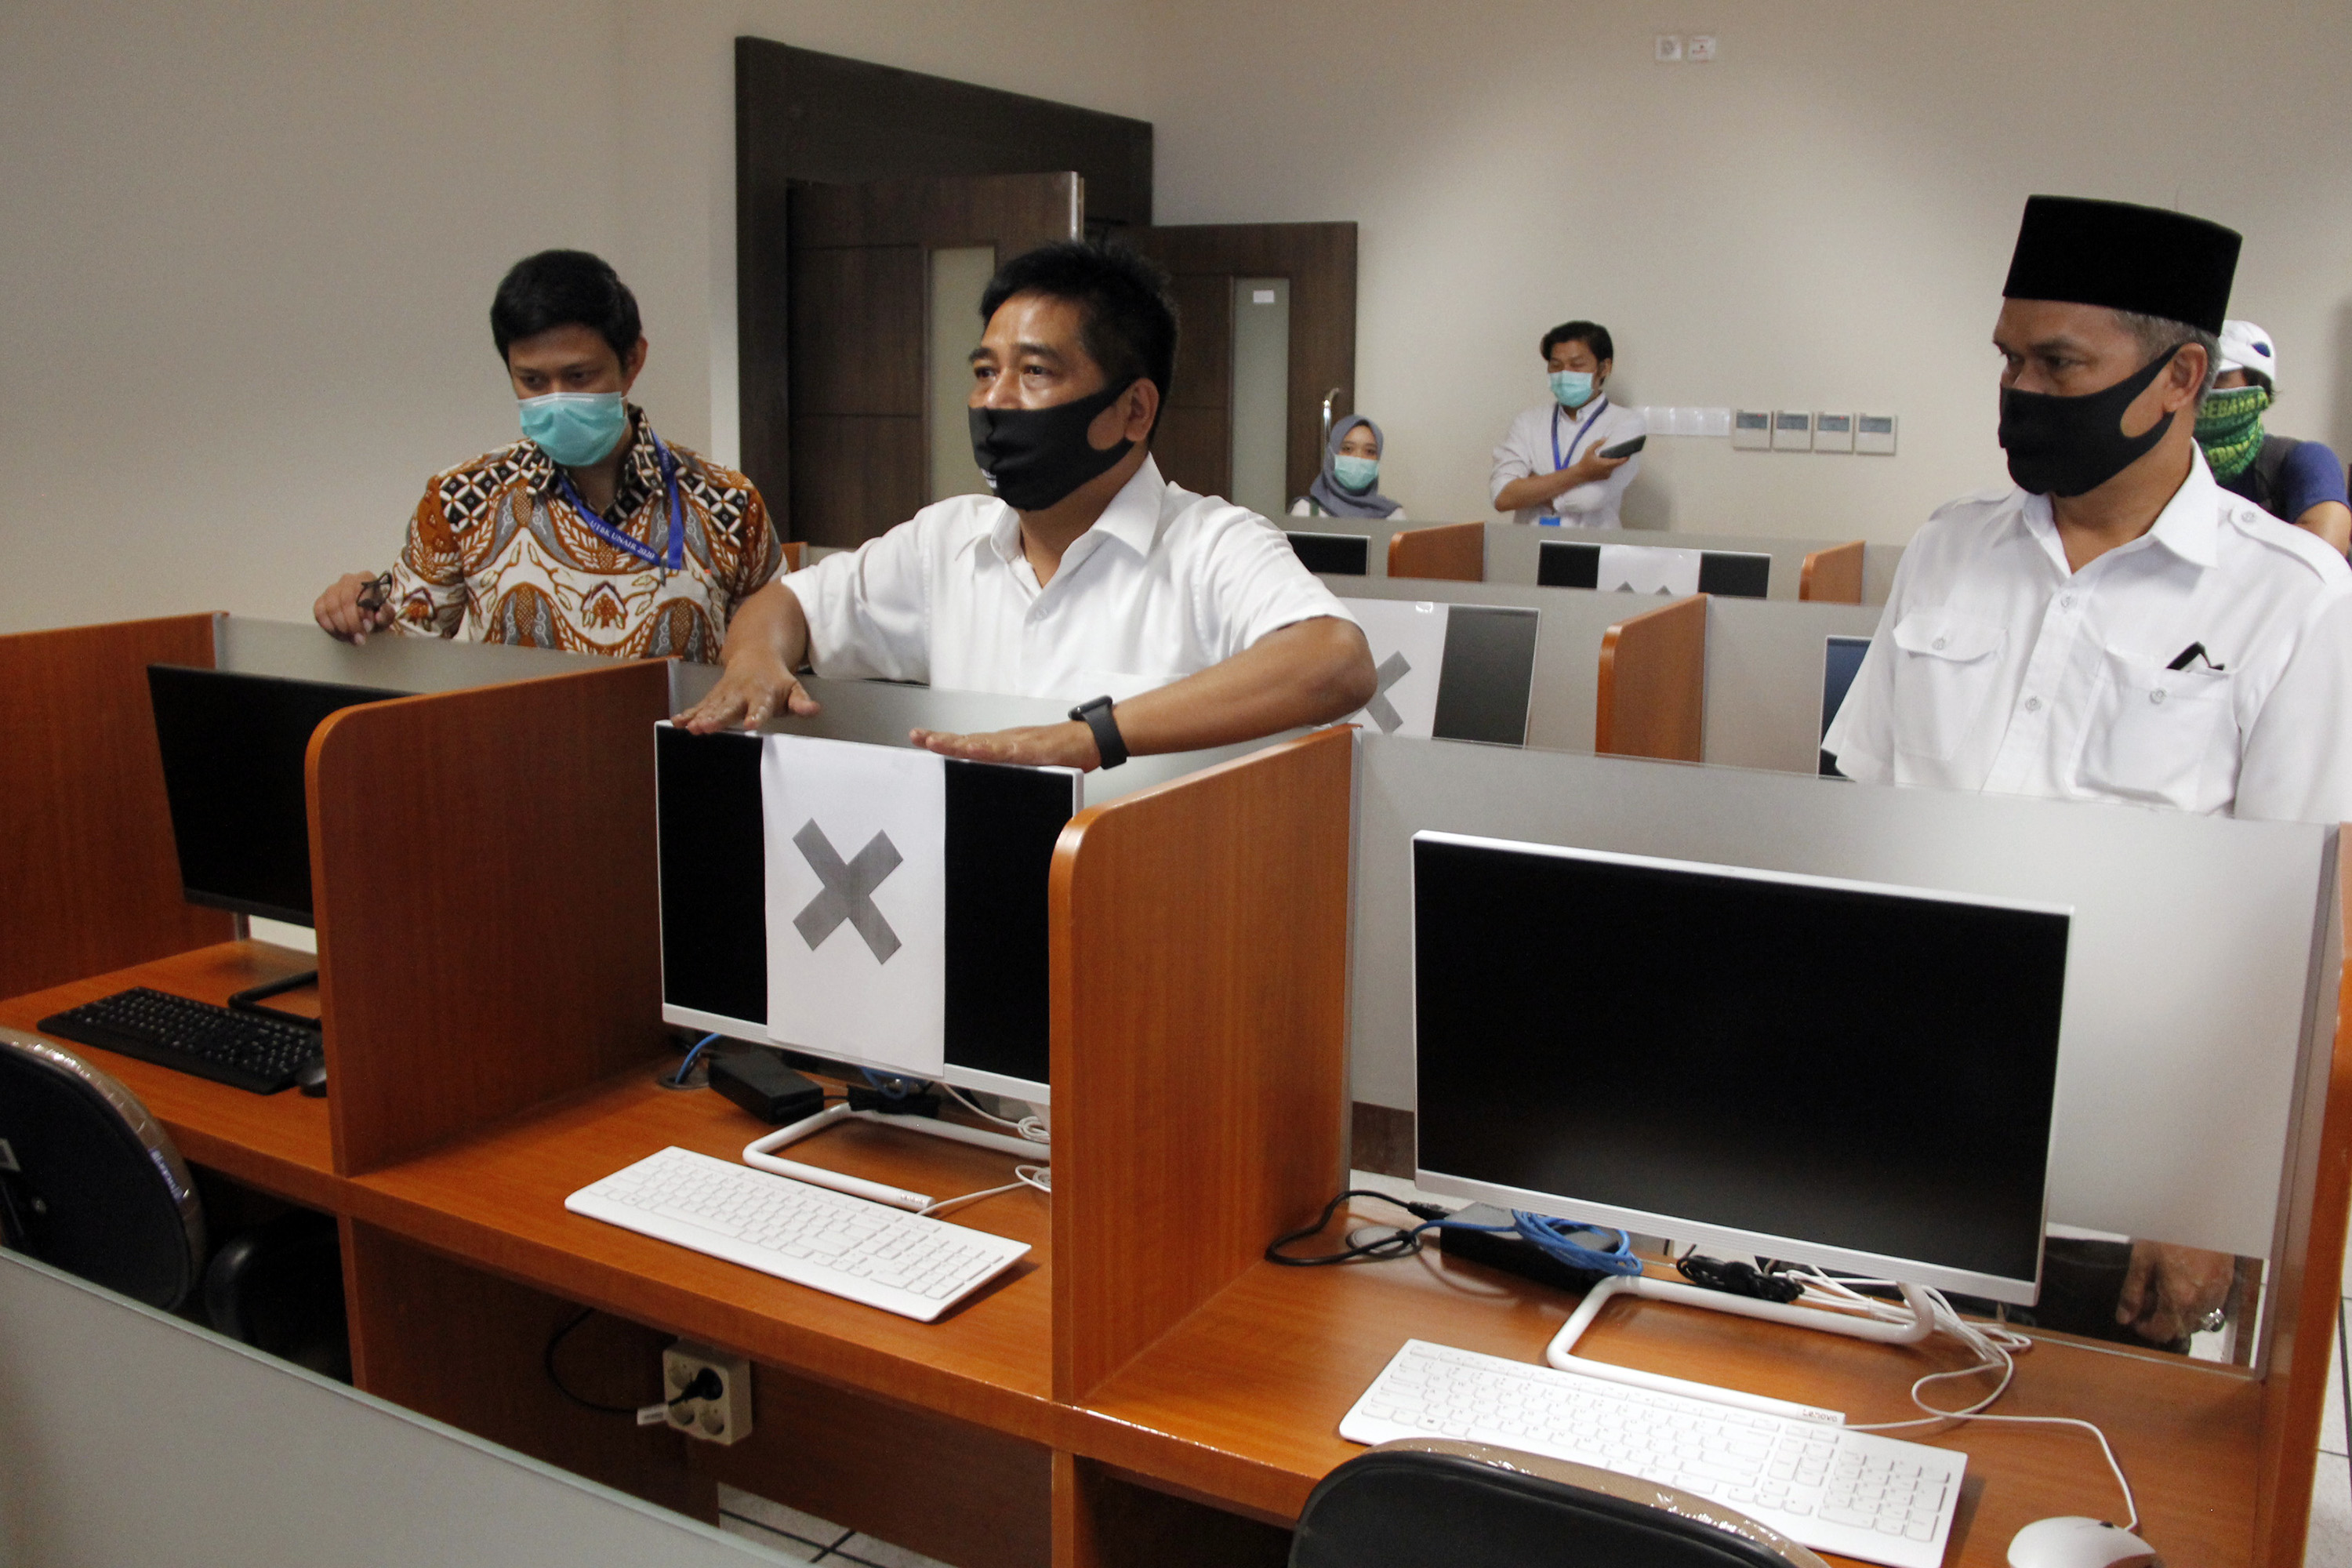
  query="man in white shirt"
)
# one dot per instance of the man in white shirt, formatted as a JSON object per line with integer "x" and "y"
{"x": 1184, "y": 620}
{"x": 2115, "y": 626}
{"x": 1549, "y": 467}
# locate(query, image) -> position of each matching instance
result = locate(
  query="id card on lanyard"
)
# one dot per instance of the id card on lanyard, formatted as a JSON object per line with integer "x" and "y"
{"x": 614, "y": 537}
{"x": 1558, "y": 462}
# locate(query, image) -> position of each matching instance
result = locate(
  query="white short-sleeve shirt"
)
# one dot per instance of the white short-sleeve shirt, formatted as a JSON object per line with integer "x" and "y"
{"x": 1528, "y": 449}
{"x": 2206, "y": 665}
{"x": 1163, "y": 586}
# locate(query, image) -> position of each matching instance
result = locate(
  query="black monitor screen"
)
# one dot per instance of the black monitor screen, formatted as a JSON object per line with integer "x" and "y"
{"x": 1489, "y": 670}
{"x": 1341, "y": 555}
{"x": 714, "y": 874}
{"x": 1862, "y": 1073}
{"x": 1840, "y": 662}
{"x": 1561, "y": 564}
{"x": 233, "y": 748}
{"x": 1001, "y": 826}
{"x": 1735, "y": 574}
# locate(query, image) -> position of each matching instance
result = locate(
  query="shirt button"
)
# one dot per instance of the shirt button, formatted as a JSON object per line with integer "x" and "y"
{"x": 2066, "y": 600}
{"x": 1941, "y": 641}
{"x": 2155, "y": 695}
{"x": 2033, "y": 705}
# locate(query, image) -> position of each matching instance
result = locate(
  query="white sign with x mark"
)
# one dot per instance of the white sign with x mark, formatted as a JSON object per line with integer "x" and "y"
{"x": 856, "y": 859}
{"x": 1408, "y": 640}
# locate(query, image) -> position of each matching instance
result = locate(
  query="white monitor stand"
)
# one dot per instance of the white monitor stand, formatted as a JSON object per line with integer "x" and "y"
{"x": 1559, "y": 1352}
{"x": 760, "y": 1154}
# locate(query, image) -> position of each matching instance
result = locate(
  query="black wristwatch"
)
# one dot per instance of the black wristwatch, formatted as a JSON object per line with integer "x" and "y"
{"x": 1095, "y": 713}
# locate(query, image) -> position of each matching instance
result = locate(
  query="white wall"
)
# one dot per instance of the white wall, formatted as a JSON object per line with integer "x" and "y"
{"x": 246, "y": 250}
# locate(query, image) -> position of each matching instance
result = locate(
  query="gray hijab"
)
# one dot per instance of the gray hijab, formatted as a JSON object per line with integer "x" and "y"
{"x": 1335, "y": 498}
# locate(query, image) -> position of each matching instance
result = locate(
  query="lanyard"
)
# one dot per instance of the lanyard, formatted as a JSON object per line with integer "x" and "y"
{"x": 1558, "y": 462}
{"x": 614, "y": 536}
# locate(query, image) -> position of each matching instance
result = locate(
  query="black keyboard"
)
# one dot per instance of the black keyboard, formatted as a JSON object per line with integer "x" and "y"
{"x": 245, "y": 1050}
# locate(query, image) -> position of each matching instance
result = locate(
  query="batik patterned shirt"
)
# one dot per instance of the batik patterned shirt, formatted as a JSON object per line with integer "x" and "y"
{"x": 496, "y": 545}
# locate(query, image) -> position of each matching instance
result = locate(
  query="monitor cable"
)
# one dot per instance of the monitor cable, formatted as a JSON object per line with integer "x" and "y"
{"x": 1996, "y": 1350}
{"x": 1556, "y": 1237}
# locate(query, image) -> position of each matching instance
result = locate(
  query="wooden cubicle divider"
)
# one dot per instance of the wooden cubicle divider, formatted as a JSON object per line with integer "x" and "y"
{"x": 86, "y": 849}
{"x": 1832, "y": 576}
{"x": 489, "y": 934}
{"x": 1199, "y": 956}
{"x": 1452, "y": 552}
{"x": 2306, "y": 1288}
{"x": 795, "y": 555}
{"x": 1652, "y": 699}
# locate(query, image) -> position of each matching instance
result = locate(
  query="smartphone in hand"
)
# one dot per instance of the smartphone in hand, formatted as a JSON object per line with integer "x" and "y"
{"x": 1625, "y": 449}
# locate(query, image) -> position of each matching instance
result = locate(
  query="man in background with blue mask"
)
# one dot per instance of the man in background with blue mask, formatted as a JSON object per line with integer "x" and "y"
{"x": 592, "y": 534}
{"x": 1174, "y": 621}
{"x": 1549, "y": 468}
{"x": 2114, "y": 625}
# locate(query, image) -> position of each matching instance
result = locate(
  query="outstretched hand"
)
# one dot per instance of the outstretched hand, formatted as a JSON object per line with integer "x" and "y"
{"x": 1069, "y": 745}
{"x": 748, "y": 694}
{"x": 2169, "y": 1292}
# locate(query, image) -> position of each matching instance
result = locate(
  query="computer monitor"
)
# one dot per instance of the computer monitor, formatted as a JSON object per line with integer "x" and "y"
{"x": 1735, "y": 574}
{"x": 1849, "y": 1075}
{"x": 1485, "y": 685}
{"x": 233, "y": 747}
{"x": 1341, "y": 555}
{"x": 1001, "y": 826}
{"x": 1840, "y": 662}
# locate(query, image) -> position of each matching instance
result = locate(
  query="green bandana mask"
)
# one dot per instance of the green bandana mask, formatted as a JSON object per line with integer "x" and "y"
{"x": 2229, "y": 429}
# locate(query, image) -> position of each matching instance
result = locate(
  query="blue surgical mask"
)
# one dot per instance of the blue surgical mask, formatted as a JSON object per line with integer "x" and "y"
{"x": 1355, "y": 473}
{"x": 1572, "y": 387}
{"x": 575, "y": 428}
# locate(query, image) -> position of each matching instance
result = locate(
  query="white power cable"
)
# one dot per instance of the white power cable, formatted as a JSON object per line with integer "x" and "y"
{"x": 1032, "y": 1128}
{"x": 1038, "y": 1176}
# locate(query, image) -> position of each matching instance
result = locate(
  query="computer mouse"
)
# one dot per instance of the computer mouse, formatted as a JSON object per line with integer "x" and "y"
{"x": 310, "y": 1077}
{"x": 2073, "y": 1541}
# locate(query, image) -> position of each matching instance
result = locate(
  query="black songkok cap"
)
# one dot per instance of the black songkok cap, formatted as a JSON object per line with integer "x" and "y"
{"x": 2127, "y": 257}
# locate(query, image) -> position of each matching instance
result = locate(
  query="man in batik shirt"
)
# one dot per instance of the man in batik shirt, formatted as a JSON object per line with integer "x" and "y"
{"x": 593, "y": 534}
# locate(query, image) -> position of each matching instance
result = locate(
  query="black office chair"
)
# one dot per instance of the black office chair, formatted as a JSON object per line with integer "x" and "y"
{"x": 1423, "y": 1503}
{"x": 92, "y": 1185}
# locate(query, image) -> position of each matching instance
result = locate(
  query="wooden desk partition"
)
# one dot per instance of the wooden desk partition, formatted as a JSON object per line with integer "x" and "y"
{"x": 488, "y": 926}
{"x": 1199, "y": 935}
{"x": 1832, "y": 576}
{"x": 2306, "y": 1286}
{"x": 1452, "y": 552}
{"x": 86, "y": 850}
{"x": 1653, "y": 694}
{"x": 795, "y": 555}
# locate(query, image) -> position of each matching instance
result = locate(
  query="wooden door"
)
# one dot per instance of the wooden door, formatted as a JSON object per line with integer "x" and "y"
{"x": 859, "y": 324}
{"x": 1195, "y": 446}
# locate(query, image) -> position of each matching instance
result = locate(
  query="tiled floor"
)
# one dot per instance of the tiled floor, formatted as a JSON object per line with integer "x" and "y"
{"x": 803, "y": 1538}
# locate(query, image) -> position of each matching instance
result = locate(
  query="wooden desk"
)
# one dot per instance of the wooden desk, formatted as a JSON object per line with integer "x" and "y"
{"x": 1241, "y": 1402}
{"x": 1145, "y": 1391}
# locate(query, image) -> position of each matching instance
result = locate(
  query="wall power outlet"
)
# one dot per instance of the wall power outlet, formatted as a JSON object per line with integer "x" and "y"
{"x": 725, "y": 1416}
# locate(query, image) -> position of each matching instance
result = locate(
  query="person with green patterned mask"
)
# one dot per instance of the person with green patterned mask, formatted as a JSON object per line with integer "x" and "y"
{"x": 2300, "y": 482}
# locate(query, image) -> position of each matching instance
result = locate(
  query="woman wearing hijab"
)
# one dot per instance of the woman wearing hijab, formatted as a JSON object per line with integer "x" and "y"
{"x": 1348, "y": 485}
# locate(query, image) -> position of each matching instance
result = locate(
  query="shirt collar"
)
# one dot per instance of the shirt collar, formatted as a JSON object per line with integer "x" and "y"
{"x": 2190, "y": 526}
{"x": 1132, "y": 518}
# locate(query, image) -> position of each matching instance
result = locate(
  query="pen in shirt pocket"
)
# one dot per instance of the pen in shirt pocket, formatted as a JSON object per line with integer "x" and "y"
{"x": 2190, "y": 654}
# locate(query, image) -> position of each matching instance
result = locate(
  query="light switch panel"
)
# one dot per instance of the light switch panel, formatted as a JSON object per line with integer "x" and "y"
{"x": 1751, "y": 430}
{"x": 1792, "y": 431}
{"x": 1873, "y": 435}
{"x": 1832, "y": 432}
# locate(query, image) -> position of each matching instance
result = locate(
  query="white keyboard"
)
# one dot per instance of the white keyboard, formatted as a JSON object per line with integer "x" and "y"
{"x": 828, "y": 1241}
{"x": 1855, "y": 1493}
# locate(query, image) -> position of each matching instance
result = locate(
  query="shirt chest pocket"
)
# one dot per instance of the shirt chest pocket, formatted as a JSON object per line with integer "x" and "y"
{"x": 2153, "y": 731}
{"x": 1946, "y": 666}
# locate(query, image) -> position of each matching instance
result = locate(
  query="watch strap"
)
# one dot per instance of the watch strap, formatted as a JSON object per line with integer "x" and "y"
{"x": 1095, "y": 713}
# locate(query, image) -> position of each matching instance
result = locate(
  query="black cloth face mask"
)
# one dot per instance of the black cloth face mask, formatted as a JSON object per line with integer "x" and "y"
{"x": 1032, "y": 457}
{"x": 2068, "y": 446}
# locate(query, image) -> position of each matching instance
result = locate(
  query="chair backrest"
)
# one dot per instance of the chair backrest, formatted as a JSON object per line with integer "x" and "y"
{"x": 1408, "y": 1504}
{"x": 88, "y": 1182}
